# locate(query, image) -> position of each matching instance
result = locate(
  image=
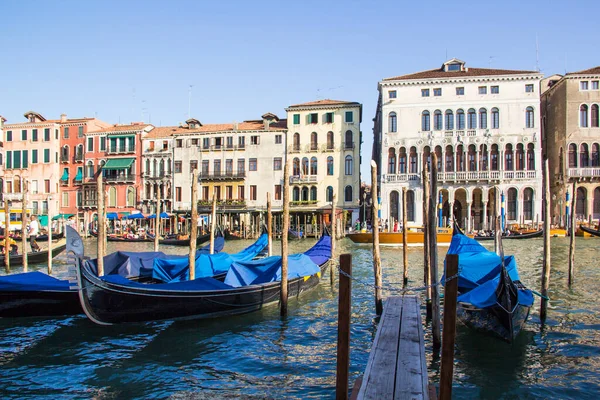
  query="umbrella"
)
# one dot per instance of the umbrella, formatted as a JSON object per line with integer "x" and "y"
{"x": 63, "y": 216}
{"x": 135, "y": 216}
{"x": 163, "y": 215}
{"x": 112, "y": 215}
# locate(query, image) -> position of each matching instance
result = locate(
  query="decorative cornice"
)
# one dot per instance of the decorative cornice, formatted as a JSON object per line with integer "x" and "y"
{"x": 433, "y": 81}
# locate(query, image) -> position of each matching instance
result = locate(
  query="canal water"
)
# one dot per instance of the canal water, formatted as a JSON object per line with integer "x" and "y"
{"x": 260, "y": 355}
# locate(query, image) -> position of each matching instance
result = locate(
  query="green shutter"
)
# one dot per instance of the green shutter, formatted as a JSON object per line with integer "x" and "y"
{"x": 24, "y": 134}
{"x": 66, "y": 133}
{"x": 25, "y": 158}
{"x": 81, "y": 131}
{"x": 46, "y": 155}
{"x": 349, "y": 116}
{"x": 296, "y": 119}
{"x": 9, "y": 159}
{"x": 47, "y": 134}
{"x": 34, "y": 135}
{"x": 34, "y": 156}
{"x": 9, "y": 136}
{"x": 17, "y": 159}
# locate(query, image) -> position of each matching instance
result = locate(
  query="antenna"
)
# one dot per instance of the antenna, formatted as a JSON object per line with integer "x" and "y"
{"x": 565, "y": 63}
{"x": 537, "y": 54}
{"x": 490, "y": 61}
{"x": 190, "y": 102}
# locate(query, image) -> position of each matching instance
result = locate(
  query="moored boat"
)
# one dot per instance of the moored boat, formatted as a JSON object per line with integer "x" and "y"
{"x": 517, "y": 236}
{"x": 590, "y": 231}
{"x": 415, "y": 237}
{"x": 35, "y": 257}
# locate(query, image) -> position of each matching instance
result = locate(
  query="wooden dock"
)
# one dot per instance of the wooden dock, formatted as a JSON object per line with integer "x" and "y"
{"x": 397, "y": 367}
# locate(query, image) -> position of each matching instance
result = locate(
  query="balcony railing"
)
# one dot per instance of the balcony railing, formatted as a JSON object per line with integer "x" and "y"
{"x": 12, "y": 196}
{"x": 160, "y": 175}
{"x": 303, "y": 179}
{"x": 223, "y": 175}
{"x": 348, "y": 145}
{"x": 328, "y": 147}
{"x": 119, "y": 178}
{"x": 89, "y": 203}
{"x": 121, "y": 150}
{"x": 466, "y": 176}
{"x": 583, "y": 172}
{"x": 78, "y": 157}
{"x": 64, "y": 158}
{"x": 295, "y": 148}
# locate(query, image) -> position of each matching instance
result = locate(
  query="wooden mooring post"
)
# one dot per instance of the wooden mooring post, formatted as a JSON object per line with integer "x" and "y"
{"x": 6, "y": 235}
{"x": 194, "y": 227}
{"x": 344, "y": 314}
{"x": 450, "y": 294}
{"x": 404, "y": 238}
{"x": 435, "y": 294}
{"x": 284, "y": 241}
{"x": 547, "y": 257}
{"x": 213, "y": 223}
{"x": 572, "y": 238}
{"x": 426, "y": 260}
{"x": 101, "y": 223}
{"x": 269, "y": 226}
{"x": 157, "y": 221}
{"x": 375, "y": 229}
{"x": 333, "y": 237}
{"x": 50, "y": 235}
{"x": 24, "y": 233}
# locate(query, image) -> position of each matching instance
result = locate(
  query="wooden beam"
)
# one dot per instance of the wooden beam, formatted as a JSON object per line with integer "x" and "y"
{"x": 404, "y": 238}
{"x": 24, "y": 232}
{"x": 450, "y": 294}
{"x": 375, "y": 229}
{"x": 213, "y": 222}
{"x": 269, "y": 225}
{"x": 157, "y": 220}
{"x": 572, "y": 239}
{"x": 426, "y": 259}
{"x": 194, "y": 226}
{"x": 284, "y": 241}
{"x": 435, "y": 296}
{"x": 6, "y": 235}
{"x": 333, "y": 236}
{"x": 101, "y": 223}
{"x": 546, "y": 264}
{"x": 344, "y": 315}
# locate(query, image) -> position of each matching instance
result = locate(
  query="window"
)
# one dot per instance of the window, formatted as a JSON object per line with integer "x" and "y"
{"x": 24, "y": 134}
{"x": 177, "y": 167}
{"x": 179, "y": 143}
{"x": 313, "y": 118}
{"x": 594, "y": 116}
{"x": 348, "y": 193}
{"x": 296, "y": 119}
{"x": 56, "y": 134}
{"x": 278, "y": 139}
{"x": 9, "y": 136}
{"x": 241, "y": 142}
{"x": 495, "y": 118}
{"x": 583, "y": 116}
{"x": 16, "y": 159}
{"x": 229, "y": 192}
{"x": 34, "y": 135}
{"x": 313, "y": 165}
{"x": 460, "y": 120}
{"x": 205, "y": 194}
{"x": 460, "y": 91}
{"x": 305, "y": 166}
{"x": 34, "y": 156}
{"x": 218, "y": 192}
{"x": 277, "y": 192}
{"x": 449, "y": 120}
{"x": 252, "y": 192}
{"x": 9, "y": 160}
{"x": 313, "y": 193}
{"x": 595, "y": 85}
{"x": 482, "y": 118}
{"x": 193, "y": 165}
{"x": 80, "y": 131}
{"x": 393, "y": 122}
{"x": 47, "y": 135}
{"x": 348, "y": 165}
{"x": 424, "y": 92}
{"x": 177, "y": 193}
{"x": 328, "y": 118}
{"x": 252, "y": 164}
{"x": 329, "y": 140}
{"x": 34, "y": 187}
{"x": 255, "y": 139}
{"x": 103, "y": 143}
{"x": 330, "y": 165}
{"x": 392, "y": 94}
{"x": 512, "y": 204}
{"x": 529, "y": 88}
{"x": 46, "y": 156}
{"x": 349, "y": 117}
{"x": 66, "y": 132}
{"x": 329, "y": 194}
{"x": 217, "y": 167}
{"x": 130, "y": 196}
{"x": 296, "y": 194}
{"x": 437, "y": 120}
{"x": 425, "y": 121}
{"x": 437, "y": 92}
{"x": 90, "y": 169}
{"x": 529, "y": 122}
{"x": 348, "y": 140}
{"x": 241, "y": 192}
{"x": 495, "y": 89}
{"x": 90, "y": 144}
{"x": 46, "y": 185}
{"x": 241, "y": 166}
{"x": 583, "y": 85}
{"x": 482, "y": 89}
{"x": 277, "y": 164}
{"x": 391, "y": 160}
{"x": 453, "y": 67}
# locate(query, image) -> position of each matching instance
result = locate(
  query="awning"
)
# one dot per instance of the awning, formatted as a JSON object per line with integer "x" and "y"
{"x": 79, "y": 175}
{"x": 120, "y": 136}
{"x": 135, "y": 216}
{"x": 63, "y": 216}
{"x": 43, "y": 220}
{"x": 163, "y": 215}
{"x": 112, "y": 215}
{"x": 119, "y": 163}
{"x": 65, "y": 175}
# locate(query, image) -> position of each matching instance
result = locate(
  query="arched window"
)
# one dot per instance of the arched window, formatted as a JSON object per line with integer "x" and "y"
{"x": 449, "y": 159}
{"x": 508, "y": 158}
{"x": 437, "y": 120}
{"x": 130, "y": 196}
{"x": 584, "y": 155}
{"x": 348, "y": 193}
{"x": 572, "y": 155}
{"x": 438, "y": 154}
{"x": 100, "y": 166}
{"x": 530, "y": 157}
{"x": 305, "y": 166}
{"x": 511, "y": 204}
{"x": 596, "y": 206}
{"x": 402, "y": 161}
{"x": 349, "y": 167}
{"x": 495, "y": 118}
{"x": 581, "y": 203}
{"x": 304, "y": 193}
{"x": 410, "y": 205}
{"x": 161, "y": 167}
{"x": 169, "y": 166}
{"x": 460, "y": 158}
{"x": 148, "y": 166}
{"x": 155, "y": 169}
{"x": 460, "y": 119}
{"x": 313, "y": 193}
{"x": 349, "y": 142}
{"x": 330, "y": 142}
{"x": 314, "y": 141}
{"x": 296, "y": 142}
{"x": 313, "y": 165}
{"x": 89, "y": 173}
{"x": 16, "y": 185}
{"x": 482, "y": 118}
{"x": 595, "y": 155}
{"x": 425, "y": 121}
{"x": 520, "y": 156}
{"x": 449, "y": 120}
{"x": 483, "y": 158}
{"x": 583, "y": 116}
{"x": 112, "y": 196}
{"x": 595, "y": 120}
{"x": 296, "y": 166}
{"x": 413, "y": 160}
{"x": 329, "y": 194}
{"x": 494, "y": 164}
{"x": 394, "y": 205}
{"x": 329, "y": 165}
{"x": 529, "y": 121}
{"x": 393, "y": 122}
{"x": 64, "y": 156}
{"x": 471, "y": 119}
{"x": 471, "y": 157}
{"x": 528, "y": 204}
{"x": 296, "y": 194}
{"x": 391, "y": 160}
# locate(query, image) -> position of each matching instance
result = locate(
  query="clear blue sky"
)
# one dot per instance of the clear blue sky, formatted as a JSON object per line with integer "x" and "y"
{"x": 134, "y": 60}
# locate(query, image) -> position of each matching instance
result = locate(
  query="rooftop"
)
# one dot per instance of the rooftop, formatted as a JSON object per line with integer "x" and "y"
{"x": 591, "y": 71}
{"x": 324, "y": 102}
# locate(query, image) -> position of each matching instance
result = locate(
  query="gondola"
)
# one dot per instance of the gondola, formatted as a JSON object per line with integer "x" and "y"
{"x": 292, "y": 234}
{"x": 491, "y": 297}
{"x": 591, "y": 231}
{"x": 516, "y": 236}
{"x": 113, "y": 238}
{"x": 35, "y": 257}
{"x": 247, "y": 287}
{"x": 184, "y": 242}
{"x": 41, "y": 238}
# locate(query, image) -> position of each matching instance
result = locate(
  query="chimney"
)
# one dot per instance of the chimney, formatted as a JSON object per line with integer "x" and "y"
{"x": 63, "y": 118}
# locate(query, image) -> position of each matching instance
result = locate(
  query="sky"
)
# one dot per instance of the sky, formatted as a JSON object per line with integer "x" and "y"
{"x": 125, "y": 61}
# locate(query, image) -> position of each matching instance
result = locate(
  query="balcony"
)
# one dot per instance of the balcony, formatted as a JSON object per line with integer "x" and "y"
{"x": 223, "y": 176}
{"x": 466, "y": 176}
{"x": 313, "y": 147}
{"x": 78, "y": 158}
{"x": 121, "y": 150}
{"x": 110, "y": 178}
{"x": 222, "y": 204}
{"x": 348, "y": 145}
{"x": 300, "y": 203}
{"x": 64, "y": 158}
{"x": 12, "y": 196}
{"x": 297, "y": 179}
{"x": 160, "y": 175}
{"x": 327, "y": 148}
{"x": 583, "y": 172}
{"x": 294, "y": 148}
{"x": 89, "y": 203}
{"x": 390, "y": 178}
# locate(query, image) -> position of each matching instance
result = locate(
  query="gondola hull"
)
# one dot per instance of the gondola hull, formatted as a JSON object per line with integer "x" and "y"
{"x": 493, "y": 321}
{"x": 37, "y": 257}
{"x": 42, "y": 238}
{"x": 109, "y": 303}
{"x": 184, "y": 242}
{"x": 515, "y": 236}
{"x": 592, "y": 232}
{"x": 40, "y": 303}
{"x": 123, "y": 239}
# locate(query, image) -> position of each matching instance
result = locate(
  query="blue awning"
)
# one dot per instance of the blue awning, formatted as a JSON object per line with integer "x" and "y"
{"x": 65, "y": 175}
{"x": 163, "y": 215}
{"x": 79, "y": 175}
{"x": 112, "y": 215}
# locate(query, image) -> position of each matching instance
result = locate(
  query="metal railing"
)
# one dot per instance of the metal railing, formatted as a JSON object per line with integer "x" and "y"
{"x": 223, "y": 175}
{"x": 583, "y": 172}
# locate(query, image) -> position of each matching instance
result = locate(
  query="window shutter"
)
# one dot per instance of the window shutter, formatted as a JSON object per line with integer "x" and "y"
{"x": 25, "y": 158}
{"x": 9, "y": 159}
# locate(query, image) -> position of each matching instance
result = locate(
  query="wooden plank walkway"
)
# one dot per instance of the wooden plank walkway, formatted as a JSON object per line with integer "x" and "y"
{"x": 397, "y": 367}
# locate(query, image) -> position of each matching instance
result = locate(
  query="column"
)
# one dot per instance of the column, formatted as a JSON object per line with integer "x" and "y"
{"x": 468, "y": 229}
{"x": 485, "y": 203}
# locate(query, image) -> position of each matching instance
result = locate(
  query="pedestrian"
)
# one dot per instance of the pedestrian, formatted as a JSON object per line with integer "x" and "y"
{"x": 396, "y": 226}
{"x": 34, "y": 230}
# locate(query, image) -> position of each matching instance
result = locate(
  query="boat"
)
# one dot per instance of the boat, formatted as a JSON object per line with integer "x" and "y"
{"x": 247, "y": 287}
{"x": 41, "y": 238}
{"x": 415, "y": 237}
{"x": 516, "y": 235}
{"x": 590, "y": 231}
{"x": 292, "y": 234}
{"x": 34, "y": 257}
{"x": 117, "y": 238}
{"x": 491, "y": 297}
{"x": 557, "y": 232}
{"x": 173, "y": 241}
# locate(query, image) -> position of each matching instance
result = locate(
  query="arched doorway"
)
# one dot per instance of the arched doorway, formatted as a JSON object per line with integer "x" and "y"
{"x": 394, "y": 205}
{"x": 460, "y": 204}
{"x": 581, "y": 203}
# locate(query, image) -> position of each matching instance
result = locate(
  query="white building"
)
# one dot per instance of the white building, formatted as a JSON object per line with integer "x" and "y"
{"x": 157, "y": 169}
{"x": 324, "y": 142}
{"x": 483, "y": 125}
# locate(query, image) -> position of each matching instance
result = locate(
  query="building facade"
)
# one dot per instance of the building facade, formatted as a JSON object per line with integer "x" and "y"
{"x": 157, "y": 170}
{"x": 570, "y": 106}
{"x": 482, "y": 124}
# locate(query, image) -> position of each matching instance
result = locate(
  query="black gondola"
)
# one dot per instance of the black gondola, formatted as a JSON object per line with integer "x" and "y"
{"x": 515, "y": 236}
{"x": 112, "y": 238}
{"x": 183, "y": 242}
{"x": 36, "y": 257}
{"x": 591, "y": 231}
{"x": 41, "y": 238}
{"x": 115, "y": 300}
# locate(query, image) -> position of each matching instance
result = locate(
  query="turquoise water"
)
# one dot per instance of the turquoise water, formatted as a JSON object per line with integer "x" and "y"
{"x": 262, "y": 356}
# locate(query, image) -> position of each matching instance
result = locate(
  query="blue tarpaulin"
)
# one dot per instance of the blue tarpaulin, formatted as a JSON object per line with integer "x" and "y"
{"x": 112, "y": 215}
{"x": 135, "y": 216}
{"x": 32, "y": 281}
{"x": 163, "y": 215}
{"x": 267, "y": 270}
